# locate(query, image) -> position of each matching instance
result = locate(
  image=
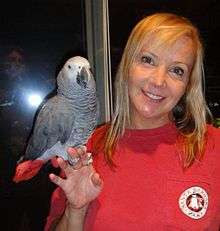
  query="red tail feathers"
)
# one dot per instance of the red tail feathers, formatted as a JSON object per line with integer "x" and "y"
{"x": 27, "y": 170}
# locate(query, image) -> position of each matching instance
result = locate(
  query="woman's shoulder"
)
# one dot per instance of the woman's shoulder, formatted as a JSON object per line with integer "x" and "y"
{"x": 213, "y": 140}
{"x": 213, "y": 132}
{"x": 213, "y": 151}
{"x": 97, "y": 138}
{"x": 100, "y": 131}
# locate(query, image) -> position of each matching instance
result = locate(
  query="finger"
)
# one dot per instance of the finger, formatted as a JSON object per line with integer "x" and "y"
{"x": 75, "y": 162}
{"x": 76, "y": 155}
{"x": 96, "y": 180}
{"x": 74, "y": 159}
{"x": 71, "y": 151}
{"x": 56, "y": 180}
{"x": 81, "y": 150}
{"x": 64, "y": 166}
{"x": 87, "y": 159}
{"x": 54, "y": 162}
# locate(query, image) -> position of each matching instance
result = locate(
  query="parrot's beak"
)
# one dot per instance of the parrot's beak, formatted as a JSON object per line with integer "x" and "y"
{"x": 84, "y": 77}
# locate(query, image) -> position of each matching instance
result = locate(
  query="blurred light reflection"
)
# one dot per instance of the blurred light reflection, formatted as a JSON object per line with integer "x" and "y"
{"x": 34, "y": 99}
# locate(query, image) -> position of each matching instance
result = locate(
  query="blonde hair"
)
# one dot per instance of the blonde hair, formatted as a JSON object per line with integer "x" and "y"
{"x": 190, "y": 114}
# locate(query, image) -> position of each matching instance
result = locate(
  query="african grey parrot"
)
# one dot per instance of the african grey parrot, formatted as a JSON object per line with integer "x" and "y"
{"x": 66, "y": 119}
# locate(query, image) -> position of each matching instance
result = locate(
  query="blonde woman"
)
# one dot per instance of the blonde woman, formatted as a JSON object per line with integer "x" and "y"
{"x": 156, "y": 165}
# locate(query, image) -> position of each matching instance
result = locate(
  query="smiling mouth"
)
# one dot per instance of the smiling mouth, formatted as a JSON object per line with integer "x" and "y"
{"x": 153, "y": 96}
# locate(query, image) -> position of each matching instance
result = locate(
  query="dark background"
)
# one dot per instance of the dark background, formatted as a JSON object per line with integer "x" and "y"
{"x": 205, "y": 14}
{"x": 36, "y": 37}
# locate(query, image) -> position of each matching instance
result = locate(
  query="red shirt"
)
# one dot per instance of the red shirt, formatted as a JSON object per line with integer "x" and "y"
{"x": 149, "y": 190}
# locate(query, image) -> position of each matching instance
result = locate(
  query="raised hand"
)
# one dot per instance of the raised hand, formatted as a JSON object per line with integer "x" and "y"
{"x": 82, "y": 183}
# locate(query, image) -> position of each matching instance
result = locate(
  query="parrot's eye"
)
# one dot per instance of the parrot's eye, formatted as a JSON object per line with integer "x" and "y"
{"x": 69, "y": 66}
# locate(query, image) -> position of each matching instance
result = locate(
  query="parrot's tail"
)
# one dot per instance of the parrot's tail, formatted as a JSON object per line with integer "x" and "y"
{"x": 27, "y": 169}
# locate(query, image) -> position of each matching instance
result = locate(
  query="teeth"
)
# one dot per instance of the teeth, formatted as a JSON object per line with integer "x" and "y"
{"x": 153, "y": 96}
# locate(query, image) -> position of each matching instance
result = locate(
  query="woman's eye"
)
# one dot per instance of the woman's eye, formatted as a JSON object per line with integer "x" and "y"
{"x": 177, "y": 71}
{"x": 147, "y": 59}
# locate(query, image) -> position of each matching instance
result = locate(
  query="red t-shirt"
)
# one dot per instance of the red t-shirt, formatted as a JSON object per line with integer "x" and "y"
{"x": 149, "y": 190}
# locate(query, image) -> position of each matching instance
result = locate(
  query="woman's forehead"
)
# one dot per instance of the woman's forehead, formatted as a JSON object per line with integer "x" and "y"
{"x": 181, "y": 49}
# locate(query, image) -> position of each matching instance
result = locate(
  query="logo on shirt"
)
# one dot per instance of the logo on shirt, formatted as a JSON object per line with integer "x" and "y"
{"x": 194, "y": 202}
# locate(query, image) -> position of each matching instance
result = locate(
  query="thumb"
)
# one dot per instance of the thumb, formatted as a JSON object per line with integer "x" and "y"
{"x": 96, "y": 180}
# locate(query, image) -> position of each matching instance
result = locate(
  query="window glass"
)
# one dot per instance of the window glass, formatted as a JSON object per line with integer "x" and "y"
{"x": 36, "y": 37}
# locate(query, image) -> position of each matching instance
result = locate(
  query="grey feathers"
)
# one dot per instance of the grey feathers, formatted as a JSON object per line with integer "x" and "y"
{"x": 68, "y": 118}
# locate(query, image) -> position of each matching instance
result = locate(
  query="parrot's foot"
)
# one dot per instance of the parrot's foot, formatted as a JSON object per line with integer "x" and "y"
{"x": 27, "y": 170}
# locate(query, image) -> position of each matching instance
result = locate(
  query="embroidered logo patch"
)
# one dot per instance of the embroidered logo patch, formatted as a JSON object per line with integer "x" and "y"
{"x": 194, "y": 202}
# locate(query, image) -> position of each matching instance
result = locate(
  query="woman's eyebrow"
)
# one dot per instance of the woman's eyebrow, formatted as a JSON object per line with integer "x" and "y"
{"x": 181, "y": 63}
{"x": 150, "y": 53}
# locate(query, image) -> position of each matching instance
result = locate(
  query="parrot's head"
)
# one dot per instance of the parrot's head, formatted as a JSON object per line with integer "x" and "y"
{"x": 76, "y": 75}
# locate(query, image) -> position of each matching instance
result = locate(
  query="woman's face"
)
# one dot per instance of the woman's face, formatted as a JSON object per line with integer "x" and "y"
{"x": 157, "y": 80}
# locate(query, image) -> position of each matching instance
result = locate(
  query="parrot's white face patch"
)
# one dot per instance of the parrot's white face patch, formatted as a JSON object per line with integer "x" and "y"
{"x": 194, "y": 202}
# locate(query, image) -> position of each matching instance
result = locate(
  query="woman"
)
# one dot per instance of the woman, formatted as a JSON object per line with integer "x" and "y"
{"x": 158, "y": 167}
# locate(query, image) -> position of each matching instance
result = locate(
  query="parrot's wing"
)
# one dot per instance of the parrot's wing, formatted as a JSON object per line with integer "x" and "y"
{"x": 98, "y": 108}
{"x": 54, "y": 123}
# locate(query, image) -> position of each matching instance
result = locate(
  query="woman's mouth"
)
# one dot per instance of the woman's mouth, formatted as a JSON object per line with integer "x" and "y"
{"x": 153, "y": 97}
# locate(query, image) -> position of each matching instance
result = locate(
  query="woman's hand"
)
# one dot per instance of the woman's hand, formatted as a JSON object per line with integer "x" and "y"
{"x": 82, "y": 183}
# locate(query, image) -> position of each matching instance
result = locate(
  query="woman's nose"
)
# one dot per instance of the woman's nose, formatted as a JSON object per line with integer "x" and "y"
{"x": 158, "y": 78}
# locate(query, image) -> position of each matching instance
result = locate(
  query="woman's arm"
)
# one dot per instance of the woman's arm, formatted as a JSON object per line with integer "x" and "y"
{"x": 80, "y": 187}
{"x": 72, "y": 219}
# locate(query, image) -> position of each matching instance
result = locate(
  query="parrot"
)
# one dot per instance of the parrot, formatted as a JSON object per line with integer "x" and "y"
{"x": 66, "y": 119}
